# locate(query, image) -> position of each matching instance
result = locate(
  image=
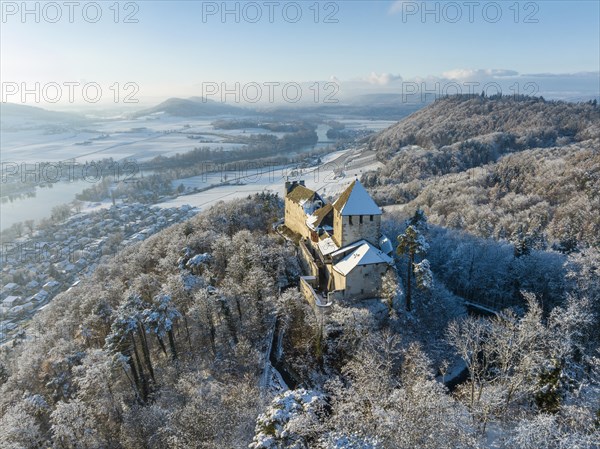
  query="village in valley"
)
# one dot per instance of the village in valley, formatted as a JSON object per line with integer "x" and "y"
{"x": 37, "y": 266}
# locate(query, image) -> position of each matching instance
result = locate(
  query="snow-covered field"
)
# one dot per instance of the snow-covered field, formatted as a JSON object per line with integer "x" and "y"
{"x": 38, "y": 146}
{"x": 140, "y": 139}
{"x": 271, "y": 180}
{"x": 145, "y": 138}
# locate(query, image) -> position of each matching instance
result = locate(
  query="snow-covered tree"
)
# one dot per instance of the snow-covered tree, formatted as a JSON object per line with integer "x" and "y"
{"x": 390, "y": 288}
{"x": 290, "y": 422}
{"x": 423, "y": 274}
{"x": 19, "y": 428}
{"x": 339, "y": 440}
{"x": 73, "y": 426}
{"x": 159, "y": 320}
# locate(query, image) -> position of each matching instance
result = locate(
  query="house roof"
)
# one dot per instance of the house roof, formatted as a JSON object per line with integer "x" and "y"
{"x": 301, "y": 194}
{"x": 315, "y": 219}
{"x": 385, "y": 244}
{"x": 355, "y": 200}
{"x": 365, "y": 254}
{"x": 11, "y": 299}
{"x": 348, "y": 248}
{"x": 327, "y": 246}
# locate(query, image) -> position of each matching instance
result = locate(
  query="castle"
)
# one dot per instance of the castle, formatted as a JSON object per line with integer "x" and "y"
{"x": 341, "y": 245}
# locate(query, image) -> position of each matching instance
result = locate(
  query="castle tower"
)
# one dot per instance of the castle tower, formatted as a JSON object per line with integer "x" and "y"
{"x": 356, "y": 217}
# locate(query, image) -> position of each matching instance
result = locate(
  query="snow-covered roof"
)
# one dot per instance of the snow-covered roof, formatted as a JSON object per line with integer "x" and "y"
{"x": 327, "y": 246}
{"x": 301, "y": 194}
{"x": 365, "y": 254}
{"x": 11, "y": 299}
{"x": 386, "y": 245}
{"x": 316, "y": 218}
{"x": 348, "y": 248}
{"x": 355, "y": 200}
{"x": 41, "y": 294}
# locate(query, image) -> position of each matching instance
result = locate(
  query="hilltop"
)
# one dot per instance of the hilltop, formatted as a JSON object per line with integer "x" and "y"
{"x": 12, "y": 114}
{"x": 500, "y": 167}
{"x": 191, "y": 107}
{"x": 512, "y": 123}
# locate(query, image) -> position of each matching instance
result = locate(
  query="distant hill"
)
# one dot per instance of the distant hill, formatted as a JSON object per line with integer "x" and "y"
{"x": 522, "y": 122}
{"x": 11, "y": 112}
{"x": 503, "y": 167}
{"x": 380, "y": 99}
{"x": 458, "y": 133}
{"x": 192, "y": 107}
{"x": 367, "y": 106}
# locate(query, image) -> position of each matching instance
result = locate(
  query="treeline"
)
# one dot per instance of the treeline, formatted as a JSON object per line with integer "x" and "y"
{"x": 147, "y": 189}
{"x": 271, "y": 126}
{"x": 256, "y": 147}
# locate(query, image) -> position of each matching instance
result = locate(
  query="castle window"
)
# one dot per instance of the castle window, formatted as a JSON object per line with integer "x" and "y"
{"x": 370, "y": 217}
{"x": 360, "y": 219}
{"x": 350, "y": 220}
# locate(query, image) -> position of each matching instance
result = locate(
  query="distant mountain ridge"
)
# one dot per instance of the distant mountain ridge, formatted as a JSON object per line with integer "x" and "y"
{"x": 26, "y": 112}
{"x": 192, "y": 107}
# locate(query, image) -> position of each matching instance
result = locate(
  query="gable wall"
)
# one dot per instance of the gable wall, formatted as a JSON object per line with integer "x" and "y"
{"x": 295, "y": 218}
{"x": 362, "y": 282}
{"x": 365, "y": 281}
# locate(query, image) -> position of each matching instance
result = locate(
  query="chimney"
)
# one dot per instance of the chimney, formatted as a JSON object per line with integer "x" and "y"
{"x": 289, "y": 186}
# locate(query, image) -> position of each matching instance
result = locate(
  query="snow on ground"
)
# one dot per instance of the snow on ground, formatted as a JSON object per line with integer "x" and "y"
{"x": 271, "y": 180}
{"x": 145, "y": 138}
{"x": 26, "y": 146}
{"x": 139, "y": 139}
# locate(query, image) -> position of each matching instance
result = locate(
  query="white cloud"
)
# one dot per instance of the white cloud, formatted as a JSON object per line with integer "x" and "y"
{"x": 382, "y": 79}
{"x": 465, "y": 74}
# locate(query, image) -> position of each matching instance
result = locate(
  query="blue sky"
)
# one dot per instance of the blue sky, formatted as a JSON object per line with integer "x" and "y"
{"x": 171, "y": 50}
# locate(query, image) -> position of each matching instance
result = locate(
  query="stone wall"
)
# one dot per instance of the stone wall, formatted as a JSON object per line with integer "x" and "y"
{"x": 307, "y": 284}
{"x": 295, "y": 218}
{"x": 307, "y": 260}
{"x": 365, "y": 281}
{"x": 348, "y": 229}
{"x": 362, "y": 282}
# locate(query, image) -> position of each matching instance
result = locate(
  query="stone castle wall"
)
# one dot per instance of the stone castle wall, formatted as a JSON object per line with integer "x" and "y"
{"x": 345, "y": 233}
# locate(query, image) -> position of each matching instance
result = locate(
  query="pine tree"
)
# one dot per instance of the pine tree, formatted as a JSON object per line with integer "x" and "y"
{"x": 411, "y": 243}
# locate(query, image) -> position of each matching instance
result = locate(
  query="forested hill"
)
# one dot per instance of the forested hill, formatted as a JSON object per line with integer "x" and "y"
{"x": 520, "y": 169}
{"x": 522, "y": 122}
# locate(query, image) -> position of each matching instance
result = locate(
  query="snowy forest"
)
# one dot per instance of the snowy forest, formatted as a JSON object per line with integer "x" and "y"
{"x": 486, "y": 335}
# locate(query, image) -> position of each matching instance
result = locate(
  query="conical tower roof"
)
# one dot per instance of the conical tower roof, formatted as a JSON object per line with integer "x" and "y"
{"x": 355, "y": 200}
